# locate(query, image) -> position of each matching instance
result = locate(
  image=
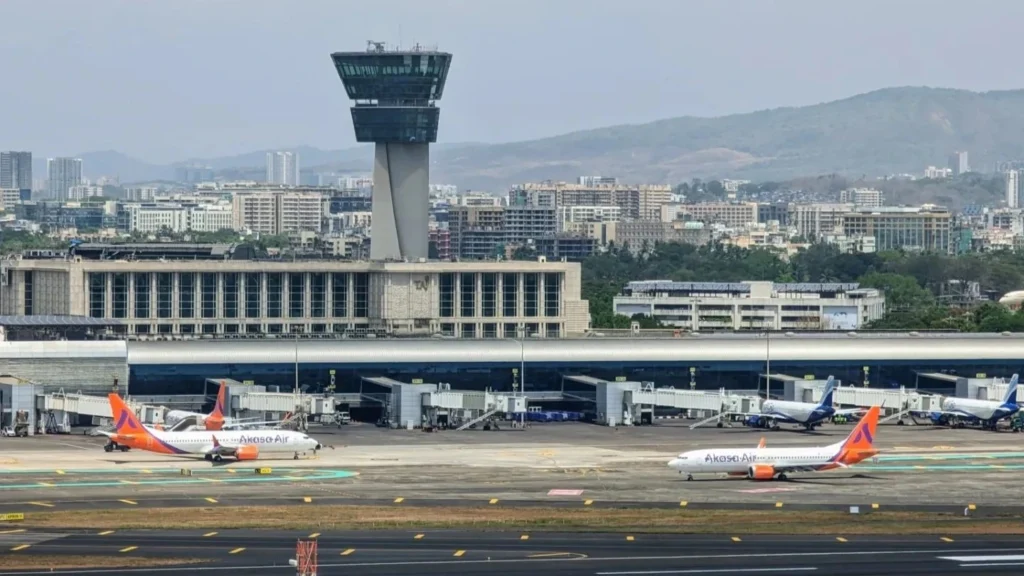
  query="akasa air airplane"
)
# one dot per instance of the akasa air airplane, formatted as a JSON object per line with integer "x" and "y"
{"x": 215, "y": 420}
{"x": 809, "y": 414}
{"x": 768, "y": 463}
{"x": 215, "y": 446}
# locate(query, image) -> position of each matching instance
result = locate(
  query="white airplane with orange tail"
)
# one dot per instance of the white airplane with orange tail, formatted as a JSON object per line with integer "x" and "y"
{"x": 240, "y": 445}
{"x": 769, "y": 463}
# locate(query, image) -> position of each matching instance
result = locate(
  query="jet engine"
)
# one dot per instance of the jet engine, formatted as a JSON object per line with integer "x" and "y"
{"x": 760, "y": 472}
{"x": 248, "y": 452}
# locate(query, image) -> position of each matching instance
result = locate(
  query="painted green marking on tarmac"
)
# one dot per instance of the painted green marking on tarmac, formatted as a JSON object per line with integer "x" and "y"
{"x": 319, "y": 475}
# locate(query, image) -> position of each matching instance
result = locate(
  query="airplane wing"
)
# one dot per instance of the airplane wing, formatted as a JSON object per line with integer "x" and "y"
{"x": 851, "y": 411}
{"x": 251, "y": 425}
{"x": 762, "y": 443}
{"x": 223, "y": 449}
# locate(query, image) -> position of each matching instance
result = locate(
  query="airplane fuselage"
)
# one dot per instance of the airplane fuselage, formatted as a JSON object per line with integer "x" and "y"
{"x": 202, "y": 442}
{"x": 739, "y": 461}
{"x": 985, "y": 410}
{"x": 796, "y": 412}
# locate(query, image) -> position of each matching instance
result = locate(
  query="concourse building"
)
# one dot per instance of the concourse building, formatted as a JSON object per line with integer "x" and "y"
{"x": 395, "y": 94}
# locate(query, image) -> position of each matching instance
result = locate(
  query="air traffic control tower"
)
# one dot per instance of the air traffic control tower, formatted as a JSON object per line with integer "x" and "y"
{"x": 395, "y": 94}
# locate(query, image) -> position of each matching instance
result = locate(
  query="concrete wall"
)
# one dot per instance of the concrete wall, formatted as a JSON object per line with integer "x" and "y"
{"x": 400, "y": 201}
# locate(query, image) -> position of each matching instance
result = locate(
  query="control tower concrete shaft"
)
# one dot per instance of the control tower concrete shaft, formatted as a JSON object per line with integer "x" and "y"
{"x": 395, "y": 94}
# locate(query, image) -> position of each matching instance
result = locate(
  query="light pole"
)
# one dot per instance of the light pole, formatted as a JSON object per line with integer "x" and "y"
{"x": 768, "y": 364}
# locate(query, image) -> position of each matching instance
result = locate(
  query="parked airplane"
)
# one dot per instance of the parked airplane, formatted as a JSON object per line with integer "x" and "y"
{"x": 215, "y": 420}
{"x": 960, "y": 411}
{"x": 809, "y": 414}
{"x": 767, "y": 463}
{"x": 215, "y": 446}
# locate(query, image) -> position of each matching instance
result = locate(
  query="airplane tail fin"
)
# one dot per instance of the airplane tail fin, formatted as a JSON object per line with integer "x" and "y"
{"x": 830, "y": 387}
{"x": 1011, "y": 391}
{"x": 125, "y": 420}
{"x": 862, "y": 438}
{"x": 215, "y": 421}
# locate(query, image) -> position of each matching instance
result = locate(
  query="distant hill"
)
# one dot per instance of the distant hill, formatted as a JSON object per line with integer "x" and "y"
{"x": 888, "y": 131}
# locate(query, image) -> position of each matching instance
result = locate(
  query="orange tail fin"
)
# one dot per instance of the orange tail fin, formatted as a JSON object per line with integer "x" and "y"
{"x": 125, "y": 420}
{"x": 215, "y": 421}
{"x": 862, "y": 438}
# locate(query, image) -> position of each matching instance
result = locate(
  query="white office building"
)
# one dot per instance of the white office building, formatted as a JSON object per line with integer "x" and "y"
{"x": 861, "y": 197}
{"x": 283, "y": 168}
{"x": 710, "y": 306}
{"x": 210, "y": 218}
{"x": 1012, "y": 188}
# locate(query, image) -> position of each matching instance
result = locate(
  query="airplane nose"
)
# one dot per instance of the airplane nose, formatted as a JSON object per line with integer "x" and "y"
{"x": 673, "y": 463}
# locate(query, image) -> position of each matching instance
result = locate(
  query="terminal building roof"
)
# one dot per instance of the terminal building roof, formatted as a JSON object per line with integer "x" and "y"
{"x": 685, "y": 350}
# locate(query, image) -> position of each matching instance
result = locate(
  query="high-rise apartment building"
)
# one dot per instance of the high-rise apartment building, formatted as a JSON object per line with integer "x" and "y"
{"x": 958, "y": 163}
{"x": 283, "y": 168}
{"x": 61, "y": 175}
{"x": 16, "y": 170}
{"x": 480, "y": 231}
{"x": 731, "y": 214}
{"x": 277, "y": 211}
{"x": 637, "y": 202}
{"x": 816, "y": 220}
{"x": 1012, "y": 188}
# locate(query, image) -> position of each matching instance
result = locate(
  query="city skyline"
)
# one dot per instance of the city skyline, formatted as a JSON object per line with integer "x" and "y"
{"x": 483, "y": 105}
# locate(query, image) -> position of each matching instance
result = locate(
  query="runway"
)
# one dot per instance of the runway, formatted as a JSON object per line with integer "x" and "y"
{"x": 496, "y": 553}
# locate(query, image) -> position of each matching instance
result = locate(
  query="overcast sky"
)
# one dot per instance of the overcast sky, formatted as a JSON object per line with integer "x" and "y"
{"x": 164, "y": 80}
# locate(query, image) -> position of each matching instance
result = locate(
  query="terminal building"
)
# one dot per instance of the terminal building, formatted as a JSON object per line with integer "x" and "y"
{"x": 752, "y": 305}
{"x": 168, "y": 292}
{"x": 698, "y": 361}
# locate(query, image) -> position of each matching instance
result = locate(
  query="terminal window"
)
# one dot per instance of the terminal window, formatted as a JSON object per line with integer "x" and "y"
{"x": 447, "y": 287}
{"x": 467, "y": 293}
{"x": 490, "y": 330}
{"x": 552, "y": 294}
{"x": 530, "y": 295}
{"x": 28, "y": 293}
{"x": 120, "y": 295}
{"x": 339, "y": 295}
{"x": 510, "y": 330}
{"x": 164, "y": 294}
{"x": 362, "y": 304}
{"x": 489, "y": 286}
{"x": 274, "y": 282}
{"x": 186, "y": 296}
{"x": 469, "y": 330}
{"x": 142, "y": 280}
{"x": 231, "y": 287}
{"x": 296, "y": 295}
{"x": 209, "y": 292}
{"x": 252, "y": 295}
{"x": 510, "y": 293}
{"x": 318, "y": 295}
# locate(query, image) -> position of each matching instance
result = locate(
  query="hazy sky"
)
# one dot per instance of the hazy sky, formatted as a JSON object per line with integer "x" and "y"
{"x": 164, "y": 80}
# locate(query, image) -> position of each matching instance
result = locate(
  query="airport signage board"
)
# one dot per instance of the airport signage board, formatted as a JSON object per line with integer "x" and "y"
{"x": 12, "y": 517}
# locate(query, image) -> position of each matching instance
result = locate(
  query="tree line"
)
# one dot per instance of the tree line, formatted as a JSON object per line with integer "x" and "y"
{"x": 923, "y": 291}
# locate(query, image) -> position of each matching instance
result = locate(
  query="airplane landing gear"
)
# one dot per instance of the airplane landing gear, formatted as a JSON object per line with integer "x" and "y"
{"x": 689, "y": 477}
{"x": 208, "y": 457}
{"x": 783, "y": 477}
{"x": 218, "y": 458}
{"x": 108, "y": 447}
{"x": 295, "y": 456}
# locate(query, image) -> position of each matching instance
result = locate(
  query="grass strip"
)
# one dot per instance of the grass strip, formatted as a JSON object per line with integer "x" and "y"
{"x": 341, "y": 517}
{"x": 56, "y": 562}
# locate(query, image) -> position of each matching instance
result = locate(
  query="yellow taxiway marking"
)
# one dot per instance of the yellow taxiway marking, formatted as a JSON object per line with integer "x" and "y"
{"x": 874, "y": 506}
{"x": 945, "y": 539}
{"x": 736, "y": 539}
{"x": 236, "y": 550}
{"x": 588, "y": 502}
{"x": 524, "y": 537}
{"x": 46, "y": 484}
{"x": 683, "y": 504}
{"x": 15, "y": 531}
{"x": 59, "y": 471}
{"x": 972, "y": 507}
{"x": 210, "y": 479}
{"x": 494, "y": 501}
{"x": 418, "y": 537}
{"x": 918, "y": 467}
{"x": 314, "y": 535}
{"x": 840, "y": 539}
{"x": 778, "y": 504}
{"x": 208, "y": 534}
{"x": 129, "y": 549}
{"x": 629, "y": 538}
{"x": 22, "y": 547}
{"x": 307, "y": 499}
{"x": 43, "y": 504}
{"x": 210, "y": 500}
{"x": 232, "y": 471}
{"x": 145, "y": 471}
{"x": 129, "y": 502}
{"x": 459, "y": 553}
{"x": 127, "y": 482}
{"x": 399, "y": 500}
{"x": 105, "y": 533}
{"x": 348, "y": 551}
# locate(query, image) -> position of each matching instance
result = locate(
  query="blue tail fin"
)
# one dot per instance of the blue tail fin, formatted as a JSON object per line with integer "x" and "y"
{"x": 830, "y": 387}
{"x": 1011, "y": 391}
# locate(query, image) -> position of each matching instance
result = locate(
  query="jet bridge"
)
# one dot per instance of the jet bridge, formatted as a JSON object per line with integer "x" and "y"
{"x": 417, "y": 404}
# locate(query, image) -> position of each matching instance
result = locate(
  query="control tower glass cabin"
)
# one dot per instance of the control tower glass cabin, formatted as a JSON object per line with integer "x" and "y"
{"x": 395, "y": 94}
